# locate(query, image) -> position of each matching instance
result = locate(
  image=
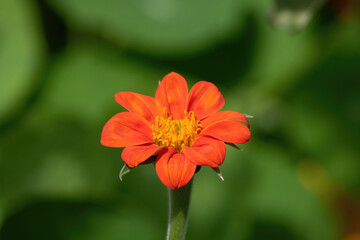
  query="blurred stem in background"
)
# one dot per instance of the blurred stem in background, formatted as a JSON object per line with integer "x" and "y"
{"x": 179, "y": 202}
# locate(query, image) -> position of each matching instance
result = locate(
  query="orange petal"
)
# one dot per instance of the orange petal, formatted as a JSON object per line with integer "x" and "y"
{"x": 228, "y": 131}
{"x": 146, "y": 106}
{"x": 206, "y": 151}
{"x": 204, "y": 99}
{"x": 222, "y": 116}
{"x": 126, "y": 129}
{"x": 135, "y": 155}
{"x": 172, "y": 94}
{"x": 174, "y": 169}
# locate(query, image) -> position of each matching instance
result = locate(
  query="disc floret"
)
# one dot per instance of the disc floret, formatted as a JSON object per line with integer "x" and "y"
{"x": 175, "y": 133}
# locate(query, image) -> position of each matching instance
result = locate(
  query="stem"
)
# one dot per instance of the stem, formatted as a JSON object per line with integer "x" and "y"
{"x": 179, "y": 201}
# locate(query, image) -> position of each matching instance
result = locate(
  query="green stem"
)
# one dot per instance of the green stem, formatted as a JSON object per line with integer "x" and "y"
{"x": 179, "y": 201}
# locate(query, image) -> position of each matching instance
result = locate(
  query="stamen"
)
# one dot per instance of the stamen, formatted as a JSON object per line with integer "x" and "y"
{"x": 175, "y": 133}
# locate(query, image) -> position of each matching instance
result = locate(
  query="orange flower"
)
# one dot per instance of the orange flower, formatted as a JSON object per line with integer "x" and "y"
{"x": 183, "y": 129}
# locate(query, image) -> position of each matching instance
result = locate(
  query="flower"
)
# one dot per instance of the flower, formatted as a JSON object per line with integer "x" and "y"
{"x": 184, "y": 129}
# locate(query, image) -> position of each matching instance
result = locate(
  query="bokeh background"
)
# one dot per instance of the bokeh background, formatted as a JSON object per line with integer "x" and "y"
{"x": 294, "y": 65}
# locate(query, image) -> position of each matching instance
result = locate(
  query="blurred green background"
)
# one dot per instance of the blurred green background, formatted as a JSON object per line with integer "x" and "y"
{"x": 294, "y": 65}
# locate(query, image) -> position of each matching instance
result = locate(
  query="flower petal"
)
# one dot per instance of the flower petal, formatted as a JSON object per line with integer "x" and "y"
{"x": 146, "y": 106}
{"x": 135, "y": 155}
{"x": 222, "y": 116}
{"x": 206, "y": 151}
{"x": 228, "y": 131}
{"x": 172, "y": 94}
{"x": 126, "y": 129}
{"x": 204, "y": 99}
{"x": 174, "y": 169}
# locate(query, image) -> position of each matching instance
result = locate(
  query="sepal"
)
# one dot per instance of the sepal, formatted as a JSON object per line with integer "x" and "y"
{"x": 124, "y": 170}
{"x": 234, "y": 146}
{"x": 217, "y": 171}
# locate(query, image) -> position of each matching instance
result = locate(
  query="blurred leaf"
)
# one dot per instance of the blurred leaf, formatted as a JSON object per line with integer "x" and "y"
{"x": 86, "y": 78}
{"x": 277, "y": 197}
{"x": 262, "y": 196}
{"x": 61, "y": 155}
{"x": 21, "y": 53}
{"x": 294, "y": 15}
{"x": 280, "y": 60}
{"x": 123, "y": 223}
{"x": 325, "y": 124}
{"x": 60, "y": 220}
{"x": 164, "y": 27}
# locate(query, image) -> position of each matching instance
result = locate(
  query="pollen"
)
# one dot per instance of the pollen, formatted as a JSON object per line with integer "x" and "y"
{"x": 175, "y": 133}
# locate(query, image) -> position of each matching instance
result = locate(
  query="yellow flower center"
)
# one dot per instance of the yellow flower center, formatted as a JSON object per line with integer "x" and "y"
{"x": 175, "y": 133}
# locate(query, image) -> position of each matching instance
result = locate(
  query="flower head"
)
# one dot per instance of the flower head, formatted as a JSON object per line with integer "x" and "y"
{"x": 183, "y": 129}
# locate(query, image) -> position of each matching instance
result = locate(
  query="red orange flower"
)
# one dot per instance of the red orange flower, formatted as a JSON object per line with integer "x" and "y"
{"x": 184, "y": 129}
